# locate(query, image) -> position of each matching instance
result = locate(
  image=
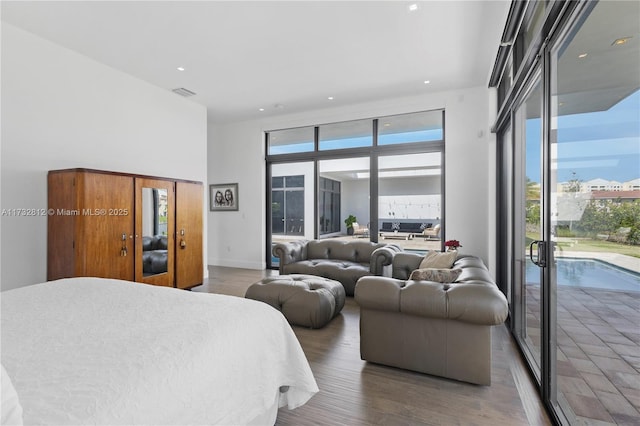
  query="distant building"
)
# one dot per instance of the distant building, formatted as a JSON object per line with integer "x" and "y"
{"x": 629, "y": 190}
{"x": 616, "y": 195}
{"x": 632, "y": 185}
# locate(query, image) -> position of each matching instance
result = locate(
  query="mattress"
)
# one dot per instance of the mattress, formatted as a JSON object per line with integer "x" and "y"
{"x": 101, "y": 351}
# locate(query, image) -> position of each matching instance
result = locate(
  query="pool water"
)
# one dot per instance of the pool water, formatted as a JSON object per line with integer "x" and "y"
{"x": 589, "y": 273}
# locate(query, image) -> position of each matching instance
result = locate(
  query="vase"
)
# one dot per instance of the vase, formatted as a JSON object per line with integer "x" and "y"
{"x": 452, "y": 248}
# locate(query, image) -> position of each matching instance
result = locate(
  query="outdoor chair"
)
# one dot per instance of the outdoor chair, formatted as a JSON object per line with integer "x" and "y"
{"x": 431, "y": 233}
{"x": 359, "y": 230}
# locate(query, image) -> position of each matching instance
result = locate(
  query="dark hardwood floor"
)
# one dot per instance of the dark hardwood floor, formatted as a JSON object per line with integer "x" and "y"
{"x": 354, "y": 392}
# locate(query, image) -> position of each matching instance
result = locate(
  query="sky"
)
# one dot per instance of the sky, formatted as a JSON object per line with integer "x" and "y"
{"x": 602, "y": 144}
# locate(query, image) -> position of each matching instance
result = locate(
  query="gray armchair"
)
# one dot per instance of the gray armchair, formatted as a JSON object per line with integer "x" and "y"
{"x": 436, "y": 328}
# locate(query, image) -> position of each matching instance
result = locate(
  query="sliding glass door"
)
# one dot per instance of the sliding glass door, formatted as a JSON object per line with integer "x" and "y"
{"x": 570, "y": 144}
{"x": 594, "y": 71}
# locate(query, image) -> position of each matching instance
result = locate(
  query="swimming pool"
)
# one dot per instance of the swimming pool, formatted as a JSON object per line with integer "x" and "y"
{"x": 591, "y": 273}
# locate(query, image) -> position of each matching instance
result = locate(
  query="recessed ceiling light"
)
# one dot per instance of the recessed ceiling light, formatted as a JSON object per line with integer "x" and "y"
{"x": 413, "y": 7}
{"x": 261, "y": 109}
{"x": 387, "y": 124}
{"x": 620, "y": 41}
{"x": 582, "y": 55}
{"x": 330, "y": 98}
{"x": 427, "y": 82}
{"x": 181, "y": 68}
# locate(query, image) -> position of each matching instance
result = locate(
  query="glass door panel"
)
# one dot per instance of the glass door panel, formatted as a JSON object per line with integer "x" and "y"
{"x": 528, "y": 152}
{"x": 595, "y": 209}
{"x": 345, "y": 184}
{"x": 294, "y": 212}
{"x": 329, "y": 195}
{"x": 410, "y": 202}
{"x": 291, "y": 198}
{"x": 277, "y": 212}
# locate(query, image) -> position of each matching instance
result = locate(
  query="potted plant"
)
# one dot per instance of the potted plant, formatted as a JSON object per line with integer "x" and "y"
{"x": 349, "y": 222}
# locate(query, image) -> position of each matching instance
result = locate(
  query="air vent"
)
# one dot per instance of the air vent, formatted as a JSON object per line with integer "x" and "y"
{"x": 183, "y": 92}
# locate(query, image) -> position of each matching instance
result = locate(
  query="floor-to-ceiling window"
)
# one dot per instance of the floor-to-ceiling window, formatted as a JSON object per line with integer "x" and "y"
{"x": 574, "y": 159}
{"x": 373, "y": 171}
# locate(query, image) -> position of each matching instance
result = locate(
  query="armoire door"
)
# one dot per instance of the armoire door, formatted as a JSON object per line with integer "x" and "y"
{"x": 154, "y": 231}
{"x": 105, "y": 226}
{"x": 189, "y": 268}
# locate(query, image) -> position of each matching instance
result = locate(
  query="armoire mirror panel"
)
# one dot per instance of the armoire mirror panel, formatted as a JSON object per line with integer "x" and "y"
{"x": 154, "y": 231}
{"x": 154, "y": 239}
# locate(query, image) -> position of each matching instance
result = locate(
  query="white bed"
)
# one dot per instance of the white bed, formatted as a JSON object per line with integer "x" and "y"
{"x": 96, "y": 351}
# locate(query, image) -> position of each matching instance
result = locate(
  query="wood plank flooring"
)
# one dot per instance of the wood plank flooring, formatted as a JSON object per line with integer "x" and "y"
{"x": 354, "y": 392}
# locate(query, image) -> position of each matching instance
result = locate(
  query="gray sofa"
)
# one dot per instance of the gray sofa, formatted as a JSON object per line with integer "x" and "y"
{"x": 154, "y": 254}
{"x": 344, "y": 261}
{"x": 429, "y": 327}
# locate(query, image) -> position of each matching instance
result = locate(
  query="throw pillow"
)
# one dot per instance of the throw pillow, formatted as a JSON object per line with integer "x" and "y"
{"x": 437, "y": 275}
{"x": 435, "y": 259}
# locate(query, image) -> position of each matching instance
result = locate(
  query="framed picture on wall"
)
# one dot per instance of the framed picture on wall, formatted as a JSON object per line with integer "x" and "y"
{"x": 223, "y": 197}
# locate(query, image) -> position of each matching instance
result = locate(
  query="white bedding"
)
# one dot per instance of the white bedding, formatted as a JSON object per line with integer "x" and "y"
{"x": 96, "y": 351}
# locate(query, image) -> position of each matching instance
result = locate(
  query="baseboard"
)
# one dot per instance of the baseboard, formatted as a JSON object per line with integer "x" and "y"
{"x": 238, "y": 263}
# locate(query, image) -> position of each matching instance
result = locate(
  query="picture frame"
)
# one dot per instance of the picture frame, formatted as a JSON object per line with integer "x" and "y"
{"x": 223, "y": 197}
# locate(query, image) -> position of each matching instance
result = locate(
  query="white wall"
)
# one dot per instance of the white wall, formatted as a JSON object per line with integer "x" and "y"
{"x": 237, "y": 152}
{"x": 355, "y": 201}
{"x": 64, "y": 110}
{"x": 237, "y": 238}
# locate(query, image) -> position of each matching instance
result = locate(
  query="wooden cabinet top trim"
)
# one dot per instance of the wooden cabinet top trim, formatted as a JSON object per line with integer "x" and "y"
{"x": 107, "y": 172}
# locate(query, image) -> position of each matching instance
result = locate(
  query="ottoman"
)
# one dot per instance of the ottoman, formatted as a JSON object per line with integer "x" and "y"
{"x": 305, "y": 300}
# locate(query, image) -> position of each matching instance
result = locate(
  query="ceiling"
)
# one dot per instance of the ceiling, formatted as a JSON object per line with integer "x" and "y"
{"x": 284, "y": 57}
{"x": 595, "y": 72}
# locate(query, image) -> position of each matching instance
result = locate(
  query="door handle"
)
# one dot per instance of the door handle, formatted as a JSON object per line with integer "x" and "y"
{"x": 542, "y": 255}
{"x": 123, "y": 249}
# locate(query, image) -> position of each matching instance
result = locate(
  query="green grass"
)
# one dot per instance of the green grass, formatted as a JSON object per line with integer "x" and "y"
{"x": 589, "y": 245}
{"x": 601, "y": 246}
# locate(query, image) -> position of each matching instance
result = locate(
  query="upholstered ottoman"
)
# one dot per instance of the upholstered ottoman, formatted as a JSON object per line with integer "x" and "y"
{"x": 305, "y": 300}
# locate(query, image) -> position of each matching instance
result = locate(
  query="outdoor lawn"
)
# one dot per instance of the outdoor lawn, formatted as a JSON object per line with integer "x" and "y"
{"x": 588, "y": 244}
{"x": 591, "y": 245}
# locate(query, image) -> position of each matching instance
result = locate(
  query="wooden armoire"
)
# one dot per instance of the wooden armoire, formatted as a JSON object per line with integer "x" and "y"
{"x": 124, "y": 226}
